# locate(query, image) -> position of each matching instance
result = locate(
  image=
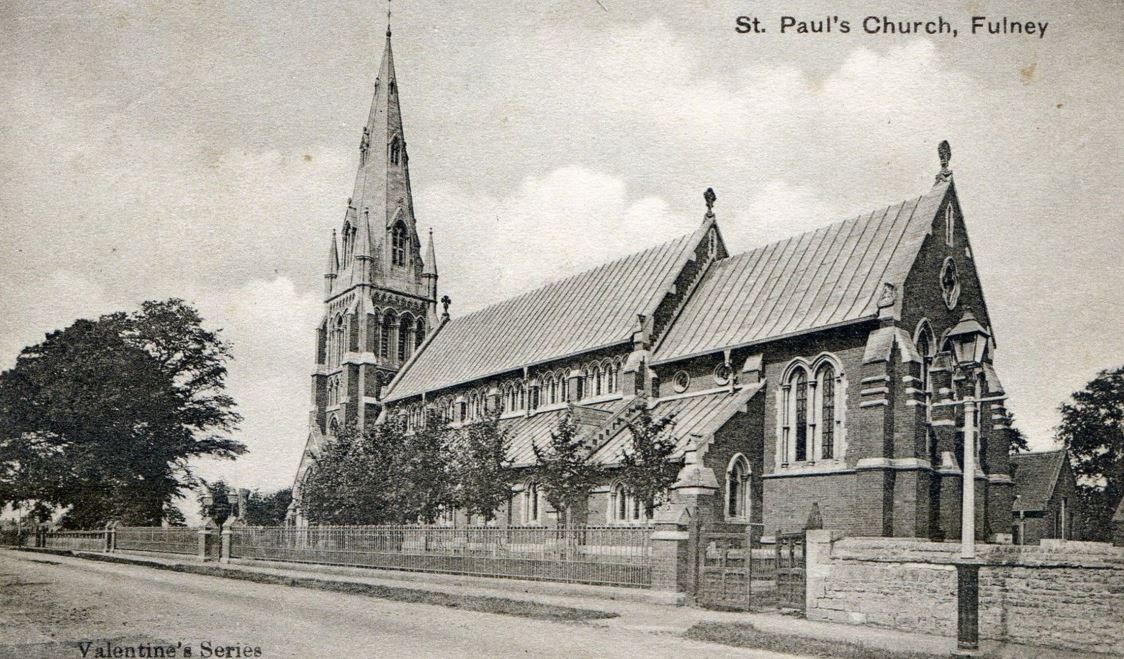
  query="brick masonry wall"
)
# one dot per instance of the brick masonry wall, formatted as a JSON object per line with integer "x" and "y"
{"x": 1066, "y": 595}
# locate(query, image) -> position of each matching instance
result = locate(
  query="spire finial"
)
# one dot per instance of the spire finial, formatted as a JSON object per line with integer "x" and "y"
{"x": 944, "y": 152}
{"x": 388, "y": 18}
{"x": 709, "y": 197}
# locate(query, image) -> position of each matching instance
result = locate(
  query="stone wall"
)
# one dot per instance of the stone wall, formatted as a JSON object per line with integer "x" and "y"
{"x": 1067, "y": 595}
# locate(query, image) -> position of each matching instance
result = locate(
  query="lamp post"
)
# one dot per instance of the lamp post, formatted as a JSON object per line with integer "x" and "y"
{"x": 968, "y": 340}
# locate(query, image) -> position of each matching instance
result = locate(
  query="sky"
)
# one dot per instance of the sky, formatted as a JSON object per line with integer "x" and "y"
{"x": 205, "y": 150}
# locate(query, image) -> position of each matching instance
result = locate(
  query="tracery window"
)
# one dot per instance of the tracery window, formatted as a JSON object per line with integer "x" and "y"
{"x": 398, "y": 245}
{"x": 811, "y": 413}
{"x": 738, "y": 494}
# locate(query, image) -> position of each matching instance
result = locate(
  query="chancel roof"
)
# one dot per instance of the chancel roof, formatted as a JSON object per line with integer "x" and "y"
{"x": 1035, "y": 475}
{"x": 821, "y": 278}
{"x": 595, "y": 309}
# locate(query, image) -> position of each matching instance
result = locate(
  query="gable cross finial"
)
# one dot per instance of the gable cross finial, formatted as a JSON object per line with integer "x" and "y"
{"x": 445, "y": 302}
{"x": 944, "y": 152}
{"x": 710, "y": 198}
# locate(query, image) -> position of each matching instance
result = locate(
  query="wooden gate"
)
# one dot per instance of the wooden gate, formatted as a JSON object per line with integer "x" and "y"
{"x": 732, "y": 569}
{"x": 789, "y": 570}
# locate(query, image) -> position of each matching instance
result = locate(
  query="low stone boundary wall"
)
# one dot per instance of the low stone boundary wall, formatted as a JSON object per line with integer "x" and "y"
{"x": 1067, "y": 595}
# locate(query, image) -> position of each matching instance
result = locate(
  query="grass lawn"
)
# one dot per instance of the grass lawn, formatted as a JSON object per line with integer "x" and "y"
{"x": 745, "y": 635}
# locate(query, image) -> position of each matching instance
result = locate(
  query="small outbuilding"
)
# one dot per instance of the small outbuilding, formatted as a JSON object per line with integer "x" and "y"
{"x": 1045, "y": 501}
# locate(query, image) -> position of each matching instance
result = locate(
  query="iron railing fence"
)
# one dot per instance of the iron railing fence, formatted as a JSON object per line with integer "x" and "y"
{"x": 605, "y": 555}
{"x": 164, "y": 539}
{"x": 91, "y": 540}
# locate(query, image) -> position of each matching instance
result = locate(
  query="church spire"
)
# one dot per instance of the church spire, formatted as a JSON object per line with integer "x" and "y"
{"x": 382, "y": 196}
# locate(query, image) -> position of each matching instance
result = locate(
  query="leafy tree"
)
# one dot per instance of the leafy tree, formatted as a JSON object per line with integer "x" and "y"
{"x": 1092, "y": 428}
{"x": 646, "y": 467}
{"x": 382, "y": 475}
{"x": 219, "y": 510}
{"x": 426, "y": 473}
{"x": 565, "y": 470}
{"x": 1018, "y": 438}
{"x": 482, "y": 468}
{"x": 268, "y": 509}
{"x": 104, "y": 416}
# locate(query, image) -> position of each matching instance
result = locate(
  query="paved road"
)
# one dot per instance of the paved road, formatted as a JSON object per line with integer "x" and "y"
{"x": 48, "y": 604}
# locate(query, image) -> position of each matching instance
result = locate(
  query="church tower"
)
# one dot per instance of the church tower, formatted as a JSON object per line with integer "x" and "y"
{"x": 380, "y": 297}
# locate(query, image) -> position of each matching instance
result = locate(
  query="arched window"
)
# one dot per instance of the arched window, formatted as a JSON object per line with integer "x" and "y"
{"x": 800, "y": 387}
{"x": 598, "y": 381}
{"x": 532, "y": 504}
{"x": 624, "y": 508}
{"x": 613, "y": 372}
{"x": 398, "y": 245}
{"x": 738, "y": 491}
{"x": 811, "y": 412}
{"x": 405, "y": 330}
{"x": 388, "y": 322}
{"x": 521, "y": 394}
{"x": 336, "y": 356}
{"x": 925, "y": 343}
{"x": 564, "y": 388}
{"x": 826, "y": 379}
{"x": 419, "y": 333}
{"x": 949, "y": 225}
{"x": 395, "y": 151}
{"x": 334, "y": 427}
{"x": 551, "y": 386}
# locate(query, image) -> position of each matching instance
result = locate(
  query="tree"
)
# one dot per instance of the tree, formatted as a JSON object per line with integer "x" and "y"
{"x": 381, "y": 475}
{"x": 219, "y": 509}
{"x": 104, "y": 416}
{"x": 482, "y": 468}
{"x": 268, "y": 509}
{"x": 1018, "y": 443}
{"x": 565, "y": 470}
{"x": 1092, "y": 428}
{"x": 647, "y": 470}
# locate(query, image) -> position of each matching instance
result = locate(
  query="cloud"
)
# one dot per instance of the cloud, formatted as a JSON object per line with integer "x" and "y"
{"x": 566, "y": 221}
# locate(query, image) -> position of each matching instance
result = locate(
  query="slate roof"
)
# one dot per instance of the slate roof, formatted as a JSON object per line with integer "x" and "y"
{"x": 584, "y": 312}
{"x": 700, "y": 414}
{"x": 821, "y": 278}
{"x": 1035, "y": 475}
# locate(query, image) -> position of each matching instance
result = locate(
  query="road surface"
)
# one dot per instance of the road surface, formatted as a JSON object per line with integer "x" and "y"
{"x": 49, "y": 605}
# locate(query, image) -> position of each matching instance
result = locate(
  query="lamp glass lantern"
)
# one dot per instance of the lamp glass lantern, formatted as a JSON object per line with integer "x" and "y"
{"x": 969, "y": 341}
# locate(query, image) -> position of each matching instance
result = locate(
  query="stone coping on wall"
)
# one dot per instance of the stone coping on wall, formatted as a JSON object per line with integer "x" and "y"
{"x": 1051, "y": 553}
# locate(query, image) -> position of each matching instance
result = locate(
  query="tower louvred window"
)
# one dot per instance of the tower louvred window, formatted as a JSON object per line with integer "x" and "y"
{"x": 398, "y": 245}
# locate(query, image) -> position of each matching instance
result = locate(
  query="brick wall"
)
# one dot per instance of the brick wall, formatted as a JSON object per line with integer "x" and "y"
{"x": 1066, "y": 595}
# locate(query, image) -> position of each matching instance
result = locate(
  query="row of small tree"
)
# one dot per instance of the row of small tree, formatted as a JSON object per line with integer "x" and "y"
{"x": 387, "y": 474}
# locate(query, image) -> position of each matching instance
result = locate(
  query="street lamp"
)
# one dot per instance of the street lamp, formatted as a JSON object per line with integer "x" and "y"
{"x": 968, "y": 340}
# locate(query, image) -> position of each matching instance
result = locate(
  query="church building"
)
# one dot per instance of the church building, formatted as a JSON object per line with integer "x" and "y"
{"x": 805, "y": 372}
